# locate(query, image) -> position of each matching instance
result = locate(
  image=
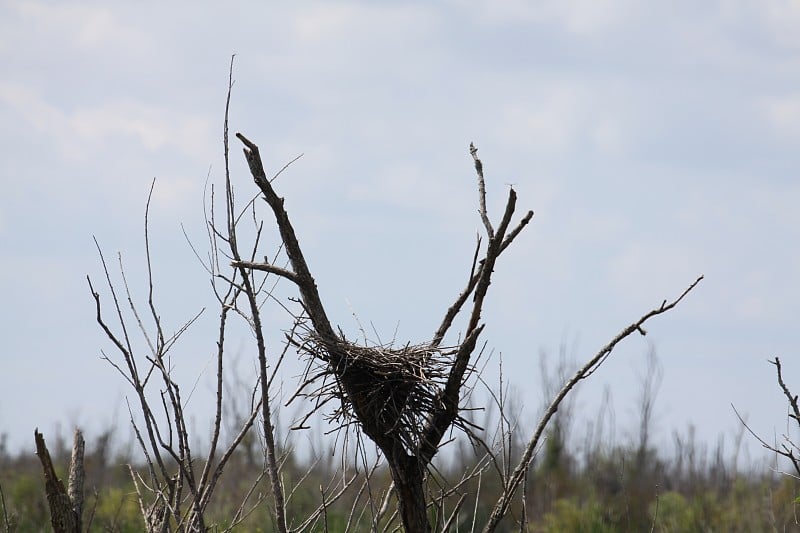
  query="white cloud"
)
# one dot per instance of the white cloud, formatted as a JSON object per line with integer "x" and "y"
{"x": 39, "y": 114}
{"x": 589, "y": 16}
{"x": 661, "y": 267}
{"x": 84, "y": 26}
{"x": 783, "y": 19}
{"x": 409, "y": 185}
{"x": 80, "y": 133}
{"x": 154, "y": 127}
{"x": 330, "y": 55}
{"x": 783, "y": 114}
{"x": 327, "y": 23}
{"x": 550, "y": 125}
{"x": 579, "y": 17}
{"x": 564, "y": 115}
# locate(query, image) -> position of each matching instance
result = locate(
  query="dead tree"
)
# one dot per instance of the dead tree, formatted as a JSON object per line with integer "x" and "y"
{"x": 405, "y": 398}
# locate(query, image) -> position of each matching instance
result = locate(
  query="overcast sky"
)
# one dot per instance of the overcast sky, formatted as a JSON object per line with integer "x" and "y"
{"x": 655, "y": 142}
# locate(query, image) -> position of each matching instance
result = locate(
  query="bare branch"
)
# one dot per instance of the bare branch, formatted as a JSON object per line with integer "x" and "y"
{"x": 305, "y": 282}
{"x": 255, "y": 165}
{"x": 454, "y": 515}
{"x": 266, "y": 267}
{"x": 792, "y": 398}
{"x": 519, "y": 473}
{"x": 481, "y": 191}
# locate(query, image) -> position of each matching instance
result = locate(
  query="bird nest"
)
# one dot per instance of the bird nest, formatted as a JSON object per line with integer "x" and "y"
{"x": 389, "y": 391}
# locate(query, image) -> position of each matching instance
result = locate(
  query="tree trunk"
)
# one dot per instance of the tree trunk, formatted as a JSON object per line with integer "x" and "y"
{"x": 409, "y": 479}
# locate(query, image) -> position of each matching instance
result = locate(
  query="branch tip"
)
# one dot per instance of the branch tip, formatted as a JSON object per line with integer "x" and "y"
{"x": 247, "y": 142}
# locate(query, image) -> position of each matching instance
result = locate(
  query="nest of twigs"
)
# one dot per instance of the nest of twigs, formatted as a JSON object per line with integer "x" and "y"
{"x": 389, "y": 391}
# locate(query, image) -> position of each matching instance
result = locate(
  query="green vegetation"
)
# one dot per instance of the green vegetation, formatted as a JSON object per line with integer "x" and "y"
{"x": 618, "y": 489}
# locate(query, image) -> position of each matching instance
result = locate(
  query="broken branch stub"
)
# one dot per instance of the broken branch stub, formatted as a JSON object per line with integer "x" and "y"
{"x": 66, "y": 504}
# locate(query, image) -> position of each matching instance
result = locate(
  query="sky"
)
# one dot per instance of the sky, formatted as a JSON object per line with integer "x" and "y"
{"x": 655, "y": 141}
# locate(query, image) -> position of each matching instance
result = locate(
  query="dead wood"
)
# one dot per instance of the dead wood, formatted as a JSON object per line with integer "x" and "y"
{"x": 66, "y": 504}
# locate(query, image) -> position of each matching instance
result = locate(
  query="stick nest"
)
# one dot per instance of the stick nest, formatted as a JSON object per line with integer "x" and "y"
{"x": 390, "y": 391}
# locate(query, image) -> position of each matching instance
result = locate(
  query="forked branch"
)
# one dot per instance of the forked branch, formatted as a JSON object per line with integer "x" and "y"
{"x": 478, "y": 285}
